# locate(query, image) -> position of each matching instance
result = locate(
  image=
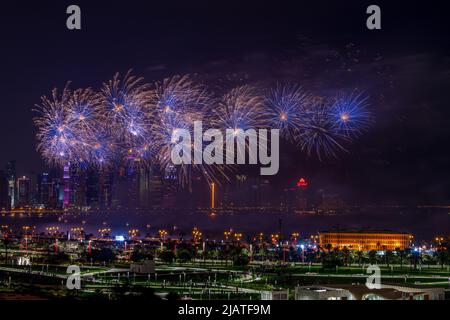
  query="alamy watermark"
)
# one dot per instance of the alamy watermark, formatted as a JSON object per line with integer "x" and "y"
{"x": 374, "y": 280}
{"x": 74, "y": 280}
{"x": 238, "y": 144}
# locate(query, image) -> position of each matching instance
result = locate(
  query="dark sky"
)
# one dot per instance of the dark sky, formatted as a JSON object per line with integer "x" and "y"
{"x": 325, "y": 46}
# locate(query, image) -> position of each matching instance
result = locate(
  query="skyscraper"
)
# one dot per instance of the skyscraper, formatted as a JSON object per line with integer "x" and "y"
{"x": 66, "y": 179}
{"x": 46, "y": 191}
{"x": 5, "y": 202}
{"x": 92, "y": 188}
{"x": 106, "y": 181}
{"x": 23, "y": 191}
{"x": 155, "y": 187}
{"x": 11, "y": 176}
{"x": 144, "y": 187}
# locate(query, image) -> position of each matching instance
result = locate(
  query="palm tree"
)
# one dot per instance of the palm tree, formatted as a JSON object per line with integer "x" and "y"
{"x": 401, "y": 254}
{"x": 388, "y": 257}
{"x": 442, "y": 257}
{"x": 372, "y": 256}
{"x": 360, "y": 257}
{"x": 346, "y": 253}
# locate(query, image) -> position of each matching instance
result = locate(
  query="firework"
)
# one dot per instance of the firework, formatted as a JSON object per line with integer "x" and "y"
{"x": 65, "y": 125}
{"x": 83, "y": 115}
{"x": 286, "y": 109}
{"x": 320, "y": 134}
{"x": 349, "y": 111}
{"x": 179, "y": 97}
{"x": 179, "y": 103}
{"x": 241, "y": 108}
{"x": 126, "y": 113}
{"x": 129, "y": 121}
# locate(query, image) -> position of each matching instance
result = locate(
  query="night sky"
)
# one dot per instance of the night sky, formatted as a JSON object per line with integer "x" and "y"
{"x": 404, "y": 68}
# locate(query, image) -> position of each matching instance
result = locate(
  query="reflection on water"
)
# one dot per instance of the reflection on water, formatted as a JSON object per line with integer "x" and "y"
{"x": 424, "y": 223}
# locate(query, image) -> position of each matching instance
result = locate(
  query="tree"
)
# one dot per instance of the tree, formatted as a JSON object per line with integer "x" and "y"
{"x": 184, "y": 255}
{"x": 60, "y": 258}
{"x": 140, "y": 255}
{"x": 346, "y": 253}
{"x": 442, "y": 257}
{"x": 388, "y": 257}
{"x": 235, "y": 252}
{"x": 360, "y": 257}
{"x": 224, "y": 254}
{"x": 212, "y": 254}
{"x": 415, "y": 257}
{"x": 103, "y": 255}
{"x": 401, "y": 254}
{"x": 167, "y": 256}
{"x": 428, "y": 259}
{"x": 330, "y": 260}
{"x": 372, "y": 257}
{"x": 241, "y": 260}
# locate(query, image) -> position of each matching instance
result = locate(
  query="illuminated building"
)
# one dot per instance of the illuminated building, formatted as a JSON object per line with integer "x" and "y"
{"x": 144, "y": 187}
{"x": 78, "y": 186}
{"x": 126, "y": 187}
{"x": 46, "y": 191}
{"x": 302, "y": 183}
{"x": 301, "y": 200}
{"x": 170, "y": 196}
{"x": 5, "y": 201}
{"x": 11, "y": 176}
{"x": 296, "y": 196}
{"x": 23, "y": 191}
{"x": 155, "y": 186}
{"x": 105, "y": 188}
{"x": 365, "y": 240}
{"x": 59, "y": 190}
{"x": 66, "y": 190}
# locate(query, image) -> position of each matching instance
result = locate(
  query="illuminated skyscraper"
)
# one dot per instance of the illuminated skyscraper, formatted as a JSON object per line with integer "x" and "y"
{"x": 46, "y": 193}
{"x": 66, "y": 181}
{"x": 126, "y": 187}
{"x": 78, "y": 187}
{"x": 11, "y": 176}
{"x": 106, "y": 180}
{"x": 23, "y": 191}
{"x": 144, "y": 187}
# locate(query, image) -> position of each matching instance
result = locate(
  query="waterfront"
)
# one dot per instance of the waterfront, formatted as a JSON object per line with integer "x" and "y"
{"x": 424, "y": 223}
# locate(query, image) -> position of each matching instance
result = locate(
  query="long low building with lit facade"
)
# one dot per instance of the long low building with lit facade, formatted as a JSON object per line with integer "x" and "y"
{"x": 365, "y": 240}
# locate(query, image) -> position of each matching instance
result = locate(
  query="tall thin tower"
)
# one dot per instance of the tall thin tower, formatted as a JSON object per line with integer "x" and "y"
{"x": 213, "y": 195}
{"x": 66, "y": 179}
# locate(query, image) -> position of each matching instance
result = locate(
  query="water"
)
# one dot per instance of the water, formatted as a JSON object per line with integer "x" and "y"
{"x": 424, "y": 223}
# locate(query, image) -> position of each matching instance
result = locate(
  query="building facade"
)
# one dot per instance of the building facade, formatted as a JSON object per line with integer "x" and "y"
{"x": 366, "y": 240}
